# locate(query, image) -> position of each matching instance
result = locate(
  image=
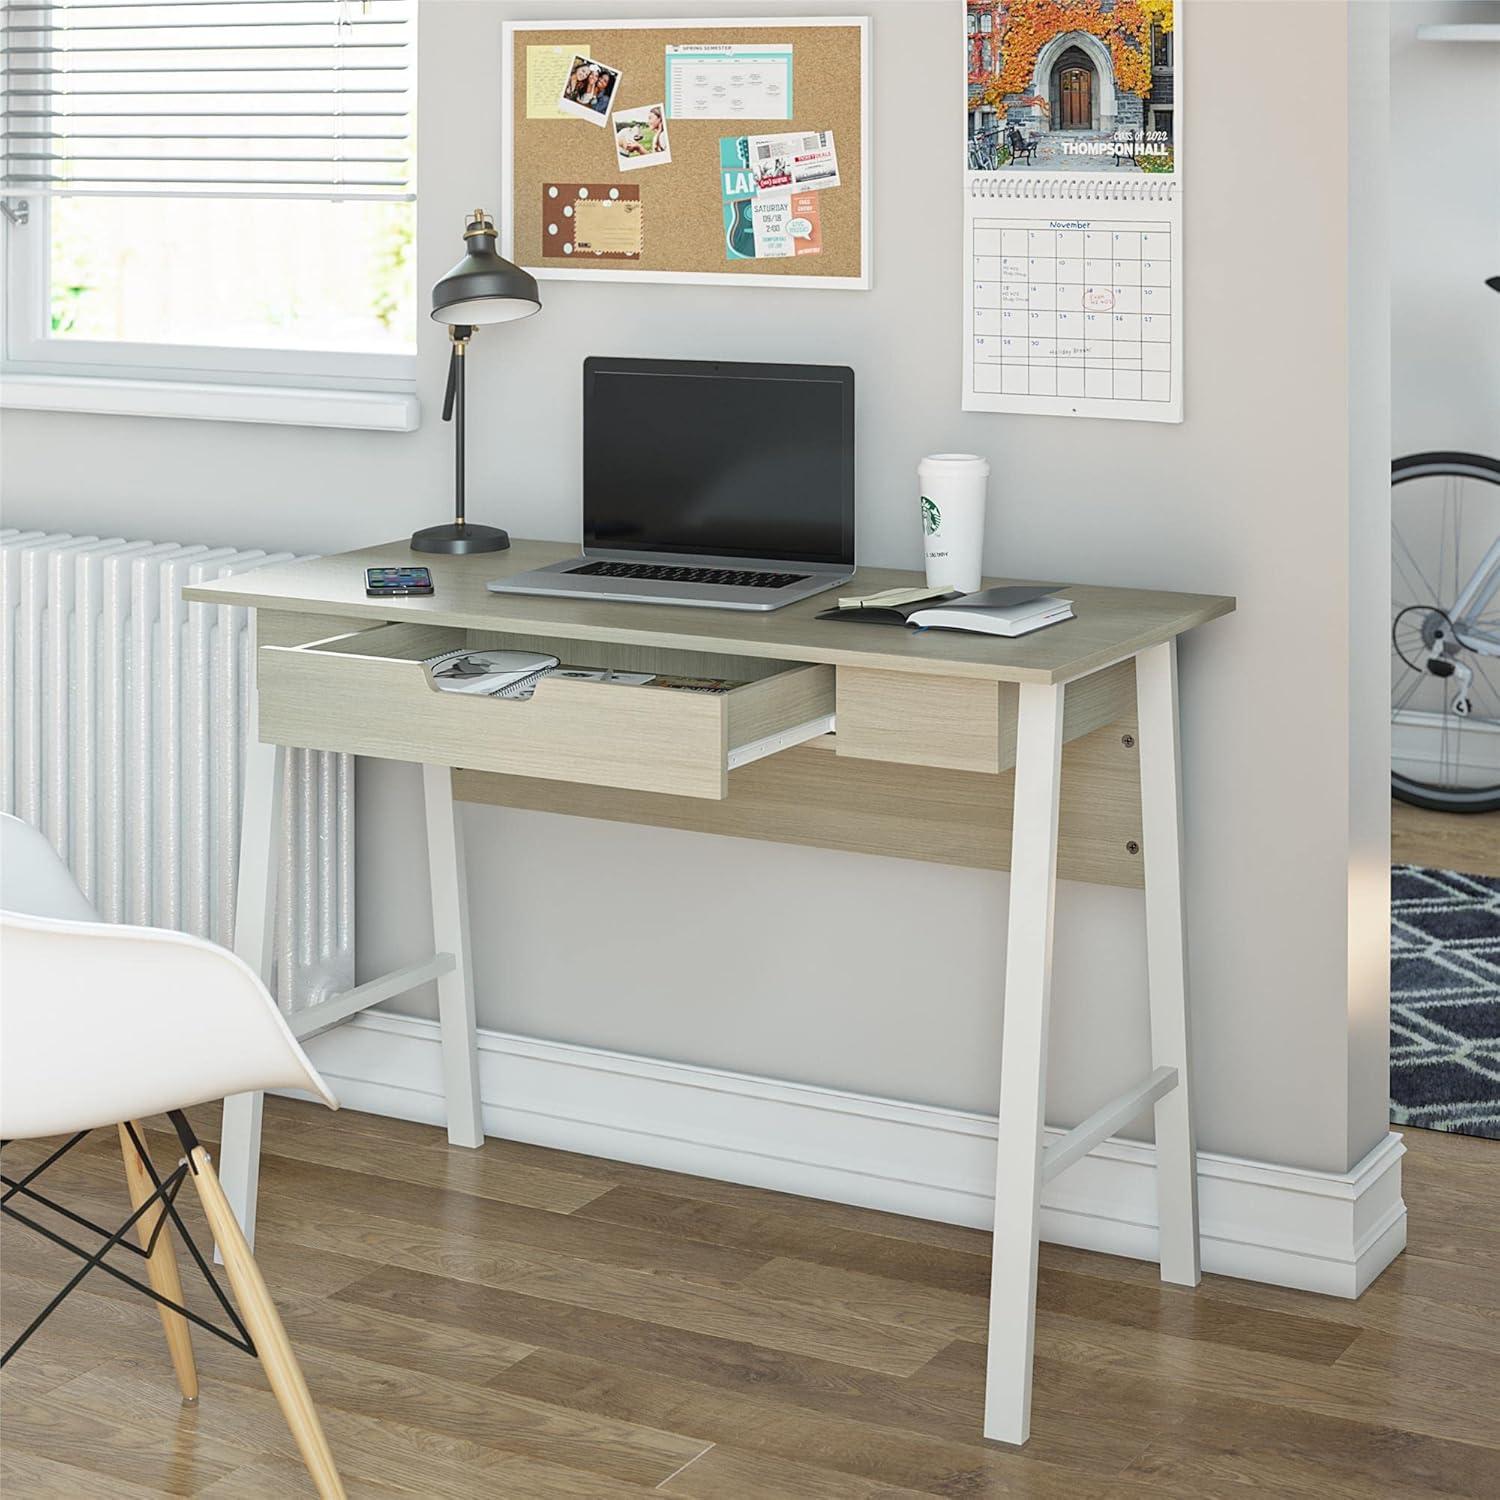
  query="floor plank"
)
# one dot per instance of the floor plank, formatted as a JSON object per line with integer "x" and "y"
{"x": 1346, "y": 1388}
{"x": 728, "y": 1474}
{"x": 859, "y": 1445}
{"x": 782, "y": 1234}
{"x": 524, "y": 1323}
{"x": 883, "y": 1299}
{"x": 26, "y": 1473}
{"x": 554, "y": 1233}
{"x": 603, "y": 1175}
{"x": 1469, "y": 842}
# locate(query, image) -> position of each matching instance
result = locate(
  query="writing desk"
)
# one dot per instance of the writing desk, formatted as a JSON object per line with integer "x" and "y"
{"x": 1056, "y": 753}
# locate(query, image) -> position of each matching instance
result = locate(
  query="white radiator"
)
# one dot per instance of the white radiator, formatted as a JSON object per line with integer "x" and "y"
{"x": 124, "y": 740}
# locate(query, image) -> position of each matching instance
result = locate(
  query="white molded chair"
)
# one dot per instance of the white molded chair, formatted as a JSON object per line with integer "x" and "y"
{"x": 102, "y": 1025}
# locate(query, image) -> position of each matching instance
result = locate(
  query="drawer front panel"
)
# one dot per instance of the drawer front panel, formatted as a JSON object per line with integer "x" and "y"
{"x": 640, "y": 738}
{"x": 954, "y": 723}
{"x": 960, "y": 723}
{"x": 369, "y": 694}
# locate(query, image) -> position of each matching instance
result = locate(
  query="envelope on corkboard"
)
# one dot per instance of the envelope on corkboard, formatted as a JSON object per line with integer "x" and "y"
{"x": 592, "y": 221}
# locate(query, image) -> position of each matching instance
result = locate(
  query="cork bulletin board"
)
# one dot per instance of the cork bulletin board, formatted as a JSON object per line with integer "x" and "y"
{"x": 755, "y": 168}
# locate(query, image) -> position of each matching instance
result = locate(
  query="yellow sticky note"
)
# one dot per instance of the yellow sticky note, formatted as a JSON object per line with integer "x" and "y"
{"x": 546, "y": 72}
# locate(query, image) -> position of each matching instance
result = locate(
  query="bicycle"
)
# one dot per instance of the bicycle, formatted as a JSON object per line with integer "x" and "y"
{"x": 986, "y": 150}
{"x": 1445, "y": 630}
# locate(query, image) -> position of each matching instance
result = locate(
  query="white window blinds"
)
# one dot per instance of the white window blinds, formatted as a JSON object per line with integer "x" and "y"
{"x": 209, "y": 98}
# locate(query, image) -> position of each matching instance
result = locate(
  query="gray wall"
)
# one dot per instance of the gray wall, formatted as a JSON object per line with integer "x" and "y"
{"x": 852, "y": 971}
{"x": 1445, "y": 231}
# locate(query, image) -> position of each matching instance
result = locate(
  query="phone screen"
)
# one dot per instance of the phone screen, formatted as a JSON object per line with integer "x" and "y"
{"x": 390, "y": 580}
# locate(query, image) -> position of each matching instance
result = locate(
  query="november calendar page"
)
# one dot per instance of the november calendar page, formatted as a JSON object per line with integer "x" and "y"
{"x": 1073, "y": 209}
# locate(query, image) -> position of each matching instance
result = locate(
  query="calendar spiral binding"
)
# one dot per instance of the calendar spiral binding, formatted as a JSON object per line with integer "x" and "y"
{"x": 1092, "y": 189}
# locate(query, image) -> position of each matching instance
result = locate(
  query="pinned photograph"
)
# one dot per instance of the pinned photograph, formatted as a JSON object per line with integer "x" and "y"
{"x": 641, "y": 137}
{"x": 589, "y": 90}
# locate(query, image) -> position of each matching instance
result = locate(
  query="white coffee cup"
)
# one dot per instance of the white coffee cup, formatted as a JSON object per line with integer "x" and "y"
{"x": 952, "y": 488}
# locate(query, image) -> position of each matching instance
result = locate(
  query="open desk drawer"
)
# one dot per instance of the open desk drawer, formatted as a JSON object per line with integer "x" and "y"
{"x": 368, "y": 693}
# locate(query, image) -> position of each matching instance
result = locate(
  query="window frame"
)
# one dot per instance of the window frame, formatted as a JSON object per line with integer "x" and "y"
{"x": 41, "y": 371}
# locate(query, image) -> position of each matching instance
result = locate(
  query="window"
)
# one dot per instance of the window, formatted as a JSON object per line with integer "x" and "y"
{"x": 211, "y": 190}
{"x": 1161, "y": 47}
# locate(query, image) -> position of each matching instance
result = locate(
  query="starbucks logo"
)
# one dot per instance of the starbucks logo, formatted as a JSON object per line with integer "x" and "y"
{"x": 932, "y": 517}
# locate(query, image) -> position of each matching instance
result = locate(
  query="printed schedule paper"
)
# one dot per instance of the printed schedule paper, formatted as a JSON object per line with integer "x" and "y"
{"x": 733, "y": 82}
{"x": 1072, "y": 245}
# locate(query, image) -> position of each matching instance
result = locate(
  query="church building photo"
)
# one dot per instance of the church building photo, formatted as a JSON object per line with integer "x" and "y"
{"x": 1070, "y": 85}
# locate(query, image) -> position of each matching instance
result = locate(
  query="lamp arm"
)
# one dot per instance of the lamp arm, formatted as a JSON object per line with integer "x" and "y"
{"x": 452, "y": 390}
{"x": 459, "y": 334}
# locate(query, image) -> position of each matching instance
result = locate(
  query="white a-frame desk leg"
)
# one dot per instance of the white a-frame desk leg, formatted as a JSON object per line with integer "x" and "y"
{"x": 1023, "y": 1063}
{"x": 1166, "y": 958}
{"x": 254, "y": 927}
{"x": 450, "y": 934}
{"x": 254, "y": 932}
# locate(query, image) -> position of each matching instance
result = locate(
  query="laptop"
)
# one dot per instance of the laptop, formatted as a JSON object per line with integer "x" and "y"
{"x": 726, "y": 486}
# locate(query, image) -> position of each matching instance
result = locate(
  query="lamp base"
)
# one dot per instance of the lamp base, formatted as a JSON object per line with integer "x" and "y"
{"x": 460, "y": 537}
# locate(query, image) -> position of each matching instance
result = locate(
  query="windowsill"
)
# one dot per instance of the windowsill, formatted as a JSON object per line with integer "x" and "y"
{"x": 380, "y": 411}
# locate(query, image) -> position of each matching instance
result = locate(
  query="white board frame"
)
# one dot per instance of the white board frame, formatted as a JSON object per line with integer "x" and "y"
{"x": 860, "y": 283}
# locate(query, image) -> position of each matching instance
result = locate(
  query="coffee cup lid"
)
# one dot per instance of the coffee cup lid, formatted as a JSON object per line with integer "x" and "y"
{"x": 956, "y": 461}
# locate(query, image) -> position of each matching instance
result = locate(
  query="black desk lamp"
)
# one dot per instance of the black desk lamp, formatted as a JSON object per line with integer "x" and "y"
{"x": 482, "y": 288}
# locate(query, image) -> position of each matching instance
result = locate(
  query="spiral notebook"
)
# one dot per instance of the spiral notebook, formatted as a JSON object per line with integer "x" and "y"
{"x": 488, "y": 674}
{"x": 1073, "y": 217}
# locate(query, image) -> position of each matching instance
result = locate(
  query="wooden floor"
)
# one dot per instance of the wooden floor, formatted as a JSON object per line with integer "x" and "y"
{"x": 516, "y": 1322}
{"x": 1445, "y": 841}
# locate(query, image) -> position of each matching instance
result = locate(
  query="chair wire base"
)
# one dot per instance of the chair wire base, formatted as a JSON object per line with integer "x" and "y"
{"x": 164, "y": 1191}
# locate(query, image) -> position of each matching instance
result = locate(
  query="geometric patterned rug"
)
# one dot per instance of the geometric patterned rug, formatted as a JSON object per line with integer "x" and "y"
{"x": 1445, "y": 1000}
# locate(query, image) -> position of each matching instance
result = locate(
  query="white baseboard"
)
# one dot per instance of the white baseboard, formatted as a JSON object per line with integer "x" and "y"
{"x": 1319, "y": 1231}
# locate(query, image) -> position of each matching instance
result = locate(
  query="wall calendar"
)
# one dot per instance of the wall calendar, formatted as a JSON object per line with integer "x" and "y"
{"x": 1072, "y": 198}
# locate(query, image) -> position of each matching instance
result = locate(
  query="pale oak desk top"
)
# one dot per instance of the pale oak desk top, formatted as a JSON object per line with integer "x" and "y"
{"x": 1111, "y": 624}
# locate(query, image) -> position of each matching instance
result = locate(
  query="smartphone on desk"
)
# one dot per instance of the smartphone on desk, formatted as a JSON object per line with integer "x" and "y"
{"x": 397, "y": 583}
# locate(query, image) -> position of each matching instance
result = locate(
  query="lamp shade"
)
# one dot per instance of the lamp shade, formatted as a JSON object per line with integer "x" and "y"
{"x": 484, "y": 287}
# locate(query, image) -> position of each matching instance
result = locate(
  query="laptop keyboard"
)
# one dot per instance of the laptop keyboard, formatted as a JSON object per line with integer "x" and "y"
{"x": 660, "y": 573}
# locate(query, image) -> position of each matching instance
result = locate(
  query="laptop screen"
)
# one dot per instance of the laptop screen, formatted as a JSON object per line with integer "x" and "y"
{"x": 719, "y": 459}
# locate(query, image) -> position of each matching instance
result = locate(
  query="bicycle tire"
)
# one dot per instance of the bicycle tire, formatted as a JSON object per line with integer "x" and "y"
{"x": 1436, "y": 799}
{"x": 1472, "y": 465}
{"x": 1446, "y": 462}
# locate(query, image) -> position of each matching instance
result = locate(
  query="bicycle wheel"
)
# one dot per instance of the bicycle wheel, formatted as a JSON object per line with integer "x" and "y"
{"x": 1445, "y": 631}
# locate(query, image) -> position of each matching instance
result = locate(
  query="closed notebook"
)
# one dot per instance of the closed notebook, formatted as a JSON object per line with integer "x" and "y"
{"x": 994, "y": 612}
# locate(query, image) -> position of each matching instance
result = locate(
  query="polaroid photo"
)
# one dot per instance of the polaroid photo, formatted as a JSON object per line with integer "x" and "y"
{"x": 589, "y": 90}
{"x": 641, "y": 137}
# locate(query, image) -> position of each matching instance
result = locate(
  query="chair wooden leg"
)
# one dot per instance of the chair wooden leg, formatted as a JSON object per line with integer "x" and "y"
{"x": 264, "y": 1323}
{"x": 161, "y": 1267}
